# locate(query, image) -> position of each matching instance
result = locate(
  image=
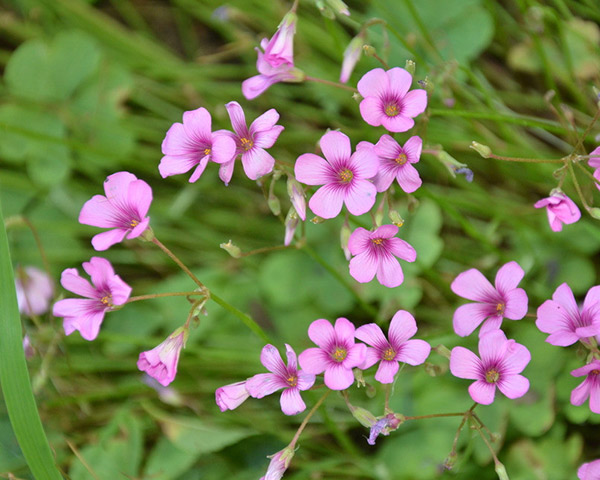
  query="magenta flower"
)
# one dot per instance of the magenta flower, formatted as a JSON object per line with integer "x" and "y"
{"x": 493, "y": 304}
{"x": 231, "y": 396}
{"x": 343, "y": 174}
{"x": 290, "y": 378}
{"x": 123, "y": 209}
{"x": 387, "y": 100}
{"x": 337, "y": 354}
{"x": 565, "y": 321}
{"x": 34, "y": 289}
{"x": 561, "y": 209}
{"x": 251, "y": 143}
{"x": 161, "y": 362}
{"x": 397, "y": 349}
{"x": 279, "y": 464}
{"x": 396, "y": 162}
{"x": 375, "y": 254}
{"x": 106, "y": 292}
{"x": 589, "y": 471}
{"x": 594, "y": 162}
{"x": 590, "y": 387}
{"x": 192, "y": 144}
{"x": 351, "y": 56}
{"x": 501, "y": 363}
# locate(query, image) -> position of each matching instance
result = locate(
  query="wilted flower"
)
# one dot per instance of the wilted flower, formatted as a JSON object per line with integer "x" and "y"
{"x": 231, "y": 396}
{"x": 87, "y": 314}
{"x": 561, "y": 209}
{"x": 34, "y": 289}
{"x": 123, "y": 209}
{"x": 161, "y": 362}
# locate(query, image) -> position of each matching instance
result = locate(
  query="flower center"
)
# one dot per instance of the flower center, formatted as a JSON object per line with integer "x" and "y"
{"x": 207, "y": 151}
{"x": 292, "y": 380}
{"x": 377, "y": 241}
{"x": 346, "y": 175}
{"x": 389, "y": 354}
{"x": 500, "y": 308}
{"x": 595, "y": 372}
{"x": 134, "y": 223}
{"x": 391, "y": 109}
{"x": 246, "y": 143}
{"x": 401, "y": 159}
{"x": 106, "y": 300}
{"x": 492, "y": 376}
{"x": 339, "y": 354}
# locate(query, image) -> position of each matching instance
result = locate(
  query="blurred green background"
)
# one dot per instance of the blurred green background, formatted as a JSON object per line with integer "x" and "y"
{"x": 89, "y": 88}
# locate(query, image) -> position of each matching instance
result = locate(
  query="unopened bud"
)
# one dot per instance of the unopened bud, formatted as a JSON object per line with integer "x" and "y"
{"x": 442, "y": 350}
{"x": 351, "y": 56}
{"x": 483, "y": 150}
{"x": 339, "y": 7}
{"x": 344, "y": 238}
{"x": 231, "y": 249}
{"x": 274, "y": 204}
{"x": 357, "y": 97}
{"x": 291, "y": 222}
{"x": 325, "y": 10}
{"x": 317, "y": 220}
{"x": 364, "y": 417}
{"x": 369, "y": 50}
{"x": 396, "y": 218}
{"x": 433, "y": 370}
{"x": 147, "y": 235}
{"x": 594, "y": 212}
{"x": 410, "y": 67}
{"x": 427, "y": 85}
{"x": 501, "y": 472}
{"x": 450, "y": 460}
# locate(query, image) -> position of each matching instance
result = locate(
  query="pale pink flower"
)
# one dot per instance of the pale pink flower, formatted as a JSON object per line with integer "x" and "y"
{"x": 279, "y": 464}
{"x": 34, "y": 289}
{"x": 504, "y": 300}
{"x": 565, "y": 321}
{"x": 251, "y": 142}
{"x": 594, "y": 162}
{"x": 161, "y": 362}
{"x": 395, "y": 162}
{"x": 590, "y": 387}
{"x": 193, "y": 144}
{"x": 561, "y": 209}
{"x": 397, "y": 349}
{"x": 387, "y": 101}
{"x": 351, "y": 56}
{"x": 292, "y": 380}
{"x": 291, "y": 222}
{"x": 589, "y": 471}
{"x": 106, "y": 292}
{"x": 123, "y": 209}
{"x": 337, "y": 354}
{"x": 500, "y": 366}
{"x": 374, "y": 254}
{"x": 297, "y": 197}
{"x": 231, "y": 396}
{"x": 343, "y": 174}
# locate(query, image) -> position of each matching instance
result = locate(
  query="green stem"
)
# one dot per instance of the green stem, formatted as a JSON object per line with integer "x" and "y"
{"x": 577, "y": 187}
{"x": 526, "y": 160}
{"x": 162, "y": 295}
{"x": 246, "y": 320}
{"x": 181, "y": 265}
{"x": 330, "y": 83}
{"x": 587, "y": 130}
{"x": 308, "y": 417}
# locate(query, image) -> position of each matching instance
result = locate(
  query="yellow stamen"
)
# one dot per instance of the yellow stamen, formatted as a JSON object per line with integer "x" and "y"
{"x": 134, "y": 223}
{"x": 106, "y": 300}
{"x": 207, "y": 151}
{"x": 389, "y": 354}
{"x": 595, "y": 372}
{"x": 346, "y": 175}
{"x": 492, "y": 376}
{"x": 500, "y": 308}
{"x": 292, "y": 380}
{"x": 377, "y": 241}
{"x": 339, "y": 354}
{"x": 247, "y": 143}
{"x": 401, "y": 159}
{"x": 391, "y": 110}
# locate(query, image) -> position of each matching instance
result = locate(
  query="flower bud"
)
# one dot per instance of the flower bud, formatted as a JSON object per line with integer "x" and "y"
{"x": 364, "y": 417}
{"x": 274, "y": 204}
{"x": 483, "y": 150}
{"x": 595, "y": 213}
{"x": 339, "y": 7}
{"x": 345, "y": 233}
{"x": 396, "y": 218}
{"x": 410, "y": 67}
{"x": 369, "y": 50}
{"x": 325, "y": 10}
{"x": 231, "y": 249}
{"x": 351, "y": 56}
{"x": 501, "y": 472}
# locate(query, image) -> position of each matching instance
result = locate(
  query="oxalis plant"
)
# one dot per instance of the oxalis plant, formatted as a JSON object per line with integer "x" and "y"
{"x": 355, "y": 365}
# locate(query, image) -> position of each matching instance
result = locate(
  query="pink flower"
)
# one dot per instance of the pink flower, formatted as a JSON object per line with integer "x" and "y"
{"x": 351, "y": 56}
{"x": 251, "y": 143}
{"x": 561, "y": 209}
{"x": 594, "y": 162}
{"x": 279, "y": 464}
{"x": 337, "y": 354}
{"x": 343, "y": 174}
{"x": 589, "y": 471}
{"x": 193, "y": 144}
{"x": 564, "y": 321}
{"x": 590, "y": 387}
{"x": 494, "y": 304}
{"x": 375, "y": 254}
{"x": 501, "y": 363}
{"x": 87, "y": 314}
{"x": 387, "y": 100}
{"x": 34, "y": 289}
{"x": 289, "y": 378}
{"x": 276, "y": 64}
{"x": 396, "y": 162}
{"x": 161, "y": 362}
{"x": 231, "y": 396}
{"x": 398, "y": 349}
{"x": 123, "y": 209}
{"x": 297, "y": 197}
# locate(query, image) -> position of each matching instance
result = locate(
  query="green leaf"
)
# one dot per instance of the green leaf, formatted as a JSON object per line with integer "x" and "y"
{"x": 14, "y": 377}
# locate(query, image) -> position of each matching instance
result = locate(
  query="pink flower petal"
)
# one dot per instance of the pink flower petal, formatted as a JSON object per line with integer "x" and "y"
{"x": 257, "y": 163}
{"x": 360, "y": 198}
{"x": 231, "y": 396}
{"x": 356, "y": 356}
{"x": 254, "y": 86}
{"x": 414, "y": 103}
{"x": 465, "y": 364}
{"x": 399, "y": 81}
{"x": 335, "y": 147}
{"x": 372, "y": 335}
{"x": 359, "y": 241}
{"x": 98, "y": 212}
{"x": 344, "y": 330}
{"x": 387, "y": 371}
{"x": 482, "y": 392}
{"x": 291, "y": 402}
{"x": 197, "y": 125}
{"x": 516, "y": 359}
{"x": 508, "y": 277}
{"x": 513, "y": 386}
{"x": 271, "y": 359}
{"x": 226, "y": 171}
{"x": 491, "y": 324}
{"x": 468, "y": 317}
{"x": 371, "y": 358}
{"x": 313, "y": 170}
{"x": 103, "y": 241}
{"x": 327, "y": 201}
{"x": 72, "y": 281}
{"x": 364, "y": 163}
{"x": 389, "y": 272}
{"x": 371, "y": 111}
{"x": 322, "y": 334}
{"x": 223, "y": 148}
{"x": 238, "y": 119}
{"x": 175, "y": 165}
{"x": 581, "y": 393}
{"x": 139, "y": 196}
{"x": 115, "y": 185}
{"x": 408, "y": 178}
{"x": 199, "y": 169}
{"x": 387, "y": 147}
{"x": 267, "y": 138}
{"x": 414, "y": 352}
{"x": 264, "y": 384}
{"x": 363, "y": 266}
{"x": 373, "y": 83}
{"x": 337, "y": 377}
{"x": 493, "y": 347}
{"x": 595, "y": 398}
{"x": 400, "y": 248}
{"x": 305, "y": 380}
{"x": 264, "y": 122}
{"x": 516, "y": 304}
{"x": 292, "y": 360}
{"x": 412, "y": 148}
{"x": 402, "y": 327}
{"x": 472, "y": 285}
{"x": 314, "y": 360}
{"x": 399, "y": 123}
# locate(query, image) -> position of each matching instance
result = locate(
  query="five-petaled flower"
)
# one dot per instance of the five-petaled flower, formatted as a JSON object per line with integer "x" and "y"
{"x": 375, "y": 254}
{"x": 231, "y": 396}
{"x": 337, "y": 354}
{"x": 34, "y": 289}
{"x": 193, "y": 144}
{"x": 123, "y": 209}
{"x": 292, "y": 380}
{"x": 561, "y": 209}
{"x": 251, "y": 142}
{"x": 395, "y": 161}
{"x": 594, "y": 162}
{"x": 493, "y": 304}
{"x": 565, "y": 321}
{"x": 397, "y": 349}
{"x": 106, "y": 292}
{"x": 590, "y": 387}
{"x": 387, "y": 101}
{"x": 343, "y": 174}
{"x": 161, "y": 362}
{"x": 500, "y": 366}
